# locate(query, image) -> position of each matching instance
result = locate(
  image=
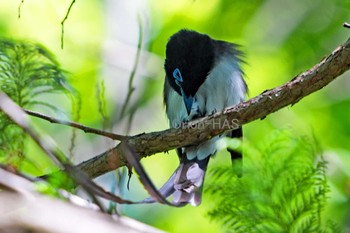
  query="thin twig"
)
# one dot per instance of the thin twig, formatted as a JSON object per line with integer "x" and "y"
{"x": 133, "y": 161}
{"x": 64, "y": 20}
{"x": 130, "y": 118}
{"x": 84, "y": 128}
{"x": 133, "y": 72}
{"x": 19, "y": 8}
{"x": 76, "y": 108}
{"x": 101, "y": 103}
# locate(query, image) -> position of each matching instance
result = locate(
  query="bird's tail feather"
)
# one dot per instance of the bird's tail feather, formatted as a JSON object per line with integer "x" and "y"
{"x": 189, "y": 180}
{"x": 185, "y": 183}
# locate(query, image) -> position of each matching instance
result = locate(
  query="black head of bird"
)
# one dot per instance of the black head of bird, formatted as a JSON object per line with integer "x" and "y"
{"x": 189, "y": 59}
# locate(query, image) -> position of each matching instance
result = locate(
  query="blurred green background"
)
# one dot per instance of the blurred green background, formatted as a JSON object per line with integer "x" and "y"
{"x": 280, "y": 38}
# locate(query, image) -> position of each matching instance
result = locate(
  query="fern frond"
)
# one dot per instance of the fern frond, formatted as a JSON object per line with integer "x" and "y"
{"x": 27, "y": 67}
{"x": 283, "y": 189}
{"x": 27, "y": 71}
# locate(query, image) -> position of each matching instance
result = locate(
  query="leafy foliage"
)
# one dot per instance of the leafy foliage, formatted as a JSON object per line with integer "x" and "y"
{"x": 280, "y": 39}
{"x": 283, "y": 189}
{"x": 26, "y": 71}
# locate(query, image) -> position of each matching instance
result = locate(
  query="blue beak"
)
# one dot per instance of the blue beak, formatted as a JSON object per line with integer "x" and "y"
{"x": 187, "y": 99}
{"x": 188, "y": 103}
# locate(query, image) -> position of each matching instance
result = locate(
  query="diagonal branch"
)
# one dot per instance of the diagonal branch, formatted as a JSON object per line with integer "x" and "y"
{"x": 205, "y": 128}
{"x": 18, "y": 116}
{"x": 84, "y": 128}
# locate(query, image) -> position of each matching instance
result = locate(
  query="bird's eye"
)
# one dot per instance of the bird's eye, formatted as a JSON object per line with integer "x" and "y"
{"x": 177, "y": 75}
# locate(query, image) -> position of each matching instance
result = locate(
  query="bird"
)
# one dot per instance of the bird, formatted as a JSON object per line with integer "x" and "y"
{"x": 202, "y": 76}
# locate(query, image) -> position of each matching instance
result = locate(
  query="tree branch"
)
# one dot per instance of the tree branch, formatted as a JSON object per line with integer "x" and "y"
{"x": 18, "y": 116}
{"x": 28, "y": 211}
{"x": 20, "y": 8}
{"x": 84, "y": 128}
{"x": 205, "y": 128}
{"x": 64, "y": 20}
{"x": 133, "y": 72}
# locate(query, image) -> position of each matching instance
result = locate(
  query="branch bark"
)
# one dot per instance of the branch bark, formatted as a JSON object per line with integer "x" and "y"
{"x": 28, "y": 211}
{"x": 205, "y": 128}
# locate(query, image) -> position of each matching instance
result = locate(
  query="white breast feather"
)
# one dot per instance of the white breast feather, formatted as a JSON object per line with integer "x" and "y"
{"x": 223, "y": 87}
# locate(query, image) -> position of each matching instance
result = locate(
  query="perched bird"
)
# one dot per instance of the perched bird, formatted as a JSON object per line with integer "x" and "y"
{"x": 203, "y": 76}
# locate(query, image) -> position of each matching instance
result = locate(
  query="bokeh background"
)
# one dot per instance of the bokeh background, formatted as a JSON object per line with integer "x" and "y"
{"x": 281, "y": 38}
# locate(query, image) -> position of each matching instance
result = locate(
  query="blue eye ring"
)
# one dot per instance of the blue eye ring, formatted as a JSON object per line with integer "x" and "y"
{"x": 177, "y": 76}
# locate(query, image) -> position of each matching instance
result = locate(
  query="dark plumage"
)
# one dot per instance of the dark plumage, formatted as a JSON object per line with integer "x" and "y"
{"x": 193, "y": 54}
{"x": 203, "y": 76}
